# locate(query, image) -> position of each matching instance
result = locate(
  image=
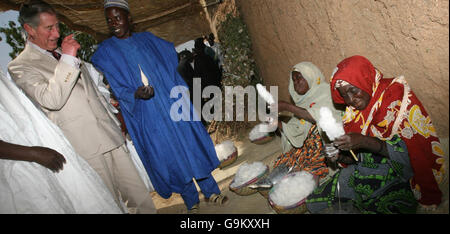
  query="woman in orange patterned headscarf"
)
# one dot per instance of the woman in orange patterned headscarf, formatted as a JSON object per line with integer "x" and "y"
{"x": 384, "y": 108}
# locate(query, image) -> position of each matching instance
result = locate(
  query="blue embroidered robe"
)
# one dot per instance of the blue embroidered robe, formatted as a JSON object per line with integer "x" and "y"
{"x": 173, "y": 152}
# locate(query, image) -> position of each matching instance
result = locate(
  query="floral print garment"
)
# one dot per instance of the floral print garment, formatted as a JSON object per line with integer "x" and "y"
{"x": 394, "y": 109}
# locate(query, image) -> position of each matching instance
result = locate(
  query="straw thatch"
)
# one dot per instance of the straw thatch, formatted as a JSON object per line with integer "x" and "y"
{"x": 174, "y": 20}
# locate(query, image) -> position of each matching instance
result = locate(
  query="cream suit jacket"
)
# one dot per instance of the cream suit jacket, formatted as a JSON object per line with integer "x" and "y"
{"x": 68, "y": 97}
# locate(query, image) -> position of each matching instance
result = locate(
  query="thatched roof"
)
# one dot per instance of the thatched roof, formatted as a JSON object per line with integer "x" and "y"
{"x": 174, "y": 20}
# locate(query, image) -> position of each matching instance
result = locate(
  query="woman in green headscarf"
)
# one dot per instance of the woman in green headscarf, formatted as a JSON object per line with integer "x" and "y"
{"x": 302, "y": 139}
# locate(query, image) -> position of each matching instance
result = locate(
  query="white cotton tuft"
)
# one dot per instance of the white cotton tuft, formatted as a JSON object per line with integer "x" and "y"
{"x": 247, "y": 172}
{"x": 328, "y": 124}
{"x": 265, "y": 94}
{"x": 293, "y": 188}
{"x": 260, "y": 130}
{"x": 225, "y": 150}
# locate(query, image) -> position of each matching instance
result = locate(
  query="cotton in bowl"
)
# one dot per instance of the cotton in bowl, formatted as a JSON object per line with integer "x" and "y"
{"x": 259, "y": 136}
{"x": 246, "y": 175}
{"x": 289, "y": 195}
{"x": 226, "y": 153}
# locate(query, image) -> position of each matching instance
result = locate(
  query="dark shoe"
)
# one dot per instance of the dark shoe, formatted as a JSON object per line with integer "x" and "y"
{"x": 217, "y": 199}
{"x": 194, "y": 209}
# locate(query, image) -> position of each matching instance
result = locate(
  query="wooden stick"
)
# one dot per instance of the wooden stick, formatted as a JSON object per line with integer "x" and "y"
{"x": 354, "y": 156}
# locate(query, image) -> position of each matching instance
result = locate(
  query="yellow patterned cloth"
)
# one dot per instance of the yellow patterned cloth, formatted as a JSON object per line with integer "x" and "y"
{"x": 308, "y": 157}
{"x": 394, "y": 109}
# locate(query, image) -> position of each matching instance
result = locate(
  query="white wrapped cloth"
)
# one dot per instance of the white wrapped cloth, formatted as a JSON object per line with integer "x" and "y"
{"x": 27, "y": 187}
{"x": 97, "y": 77}
{"x": 139, "y": 166}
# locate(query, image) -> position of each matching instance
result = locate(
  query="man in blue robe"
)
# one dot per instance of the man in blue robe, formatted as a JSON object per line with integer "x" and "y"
{"x": 173, "y": 152}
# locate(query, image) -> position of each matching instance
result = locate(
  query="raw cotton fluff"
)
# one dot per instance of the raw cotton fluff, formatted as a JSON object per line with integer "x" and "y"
{"x": 293, "y": 188}
{"x": 329, "y": 125}
{"x": 259, "y": 131}
{"x": 225, "y": 149}
{"x": 330, "y": 150}
{"x": 247, "y": 172}
{"x": 265, "y": 94}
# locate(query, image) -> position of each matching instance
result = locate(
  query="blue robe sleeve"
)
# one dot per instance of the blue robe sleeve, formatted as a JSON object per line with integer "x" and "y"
{"x": 171, "y": 56}
{"x": 122, "y": 90}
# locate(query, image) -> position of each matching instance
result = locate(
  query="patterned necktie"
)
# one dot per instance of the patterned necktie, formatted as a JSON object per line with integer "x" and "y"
{"x": 55, "y": 54}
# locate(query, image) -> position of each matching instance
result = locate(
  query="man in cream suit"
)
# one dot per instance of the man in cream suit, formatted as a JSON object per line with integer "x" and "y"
{"x": 60, "y": 84}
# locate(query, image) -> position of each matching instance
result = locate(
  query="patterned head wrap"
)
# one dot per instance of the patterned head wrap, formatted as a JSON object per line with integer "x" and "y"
{"x": 116, "y": 3}
{"x": 357, "y": 71}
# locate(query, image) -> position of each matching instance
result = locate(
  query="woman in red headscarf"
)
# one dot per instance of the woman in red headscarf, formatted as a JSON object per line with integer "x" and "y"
{"x": 386, "y": 124}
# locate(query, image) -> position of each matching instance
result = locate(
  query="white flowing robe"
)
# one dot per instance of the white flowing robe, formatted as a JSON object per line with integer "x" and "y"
{"x": 27, "y": 187}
